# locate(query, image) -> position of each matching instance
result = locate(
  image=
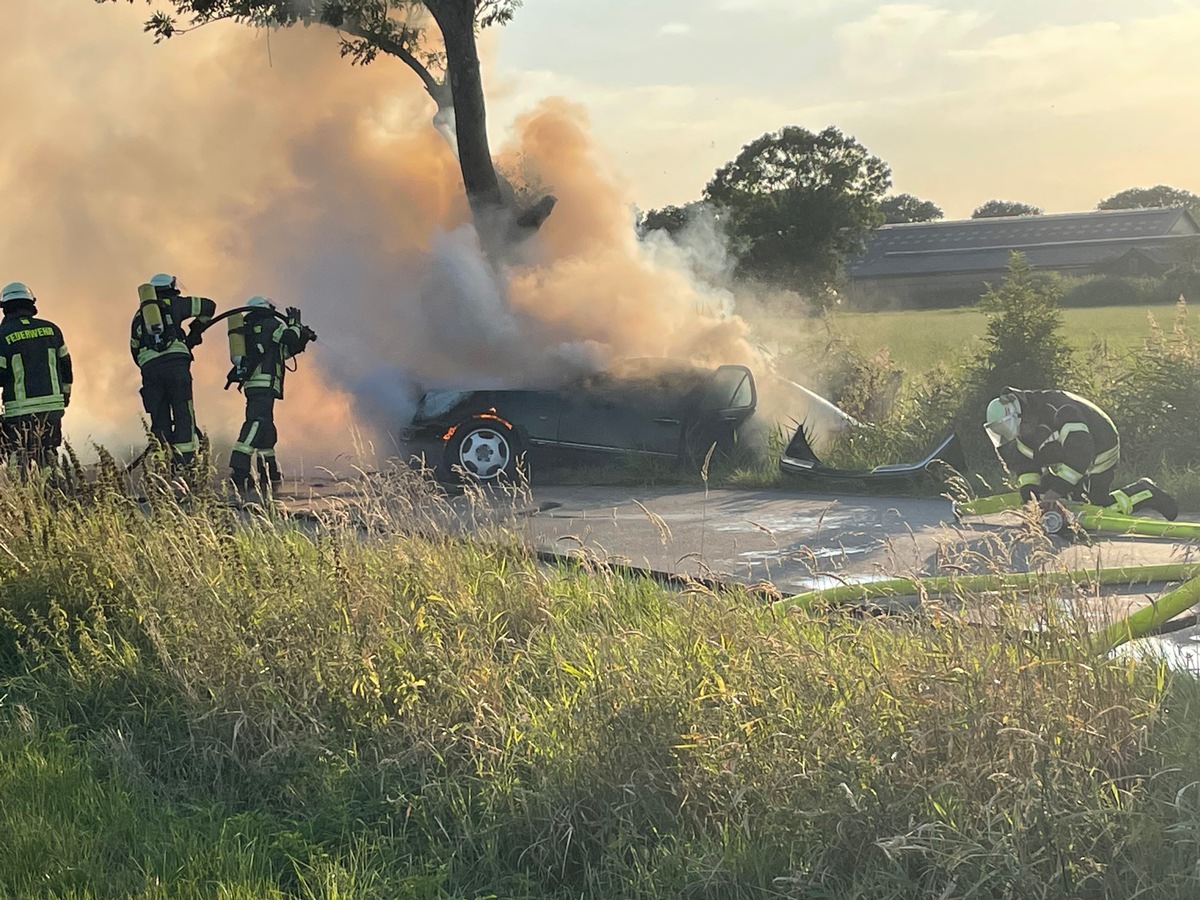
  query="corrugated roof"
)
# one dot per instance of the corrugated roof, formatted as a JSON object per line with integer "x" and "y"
{"x": 1060, "y": 240}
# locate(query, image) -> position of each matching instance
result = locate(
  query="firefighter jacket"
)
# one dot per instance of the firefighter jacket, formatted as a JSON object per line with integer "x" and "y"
{"x": 35, "y": 367}
{"x": 1071, "y": 439}
{"x": 269, "y": 344}
{"x": 172, "y": 344}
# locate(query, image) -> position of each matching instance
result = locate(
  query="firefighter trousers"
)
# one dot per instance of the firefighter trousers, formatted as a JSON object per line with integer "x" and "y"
{"x": 34, "y": 438}
{"x": 257, "y": 438}
{"x": 167, "y": 397}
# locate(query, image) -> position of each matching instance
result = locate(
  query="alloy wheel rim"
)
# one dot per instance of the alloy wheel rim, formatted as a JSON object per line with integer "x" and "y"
{"x": 484, "y": 453}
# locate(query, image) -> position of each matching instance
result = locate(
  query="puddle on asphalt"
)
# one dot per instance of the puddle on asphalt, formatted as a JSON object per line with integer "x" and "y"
{"x": 821, "y": 582}
{"x": 792, "y": 522}
{"x": 818, "y": 553}
{"x": 1180, "y": 654}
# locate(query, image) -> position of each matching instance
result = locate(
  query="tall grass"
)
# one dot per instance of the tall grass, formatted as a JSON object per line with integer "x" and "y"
{"x": 200, "y": 701}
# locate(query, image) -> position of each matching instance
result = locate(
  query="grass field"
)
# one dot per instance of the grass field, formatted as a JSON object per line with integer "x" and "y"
{"x": 918, "y": 339}
{"x": 200, "y": 703}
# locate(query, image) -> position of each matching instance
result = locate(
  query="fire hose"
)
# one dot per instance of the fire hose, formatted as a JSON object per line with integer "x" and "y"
{"x": 1139, "y": 624}
{"x": 1060, "y": 515}
{"x": 1084, "y": 515}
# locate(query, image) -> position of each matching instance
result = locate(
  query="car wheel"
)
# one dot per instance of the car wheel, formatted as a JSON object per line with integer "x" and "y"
{"x": 484, "y": 451}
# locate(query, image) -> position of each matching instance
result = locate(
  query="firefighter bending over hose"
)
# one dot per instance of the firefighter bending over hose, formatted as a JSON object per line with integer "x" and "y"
{"x": 164, "y": 354}
{"x": 35, "y": 379}
{"x": 1060, "y": 446}
{"x": 259, "y": 347}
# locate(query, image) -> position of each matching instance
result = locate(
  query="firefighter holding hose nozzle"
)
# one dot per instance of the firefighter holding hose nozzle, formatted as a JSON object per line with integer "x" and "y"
{"x": 1060, "y": 446}
{"x": 261, "y": 341}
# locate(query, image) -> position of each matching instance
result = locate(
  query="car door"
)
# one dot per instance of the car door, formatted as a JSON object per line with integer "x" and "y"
{"x": 727, "y": 400}
{"x": 629, "y": 414}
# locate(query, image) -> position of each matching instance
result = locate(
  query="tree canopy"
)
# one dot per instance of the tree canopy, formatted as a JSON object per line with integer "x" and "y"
{"x": 671, "y": 219}
{"x": 900, "y": 209}
{"x": 797, "y": 203}
{"x": 1026, "y": 347}
{"x": 1160, "y": 195}
{"x": 436, "y": 39}
{"x": 995, "y": 209}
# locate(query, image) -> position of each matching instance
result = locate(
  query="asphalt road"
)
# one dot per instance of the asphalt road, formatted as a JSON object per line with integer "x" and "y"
{"x": 797, "y": 541}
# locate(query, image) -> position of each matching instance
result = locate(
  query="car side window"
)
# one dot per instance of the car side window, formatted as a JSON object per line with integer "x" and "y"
{"x": 731, "y": 388}
{"x": 743, "y": 396}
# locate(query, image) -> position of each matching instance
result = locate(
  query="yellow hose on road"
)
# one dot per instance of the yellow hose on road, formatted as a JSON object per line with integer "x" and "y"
{"x": 942, "y": 585}
{"x": 1148, "y": 618}
{"x": 1090, "y": 518}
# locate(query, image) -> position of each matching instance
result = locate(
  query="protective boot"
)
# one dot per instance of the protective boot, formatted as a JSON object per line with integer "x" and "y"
{"x": 268, "y": 472}
{"x": 1143, "y": 495}
{"x": 240, "y": 480}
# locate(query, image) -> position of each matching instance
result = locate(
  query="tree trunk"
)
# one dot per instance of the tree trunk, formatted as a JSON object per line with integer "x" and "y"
{"x": 456, "y": 20}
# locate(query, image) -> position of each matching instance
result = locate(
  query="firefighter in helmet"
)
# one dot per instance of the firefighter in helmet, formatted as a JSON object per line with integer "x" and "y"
{"x": 260, "y": 346}
{"x": 163, "y": 352}
{"x": 1060, "y": 446}
{"x": 35, "y": 378}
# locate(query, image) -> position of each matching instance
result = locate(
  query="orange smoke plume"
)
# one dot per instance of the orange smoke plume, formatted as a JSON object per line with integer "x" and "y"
{"x": 248, "y": 163}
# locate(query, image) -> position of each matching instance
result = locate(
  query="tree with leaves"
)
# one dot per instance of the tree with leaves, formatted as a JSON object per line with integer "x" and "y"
{"x": 1160, "y": 195}
{"x": 995, "y": 209}
{"x": 901, "y": 209}
{"x": 671, "y": 219}
{"x": 797, "y": 203}
{"x": 1025, "y": 343}
{"x": 435, "y": 39}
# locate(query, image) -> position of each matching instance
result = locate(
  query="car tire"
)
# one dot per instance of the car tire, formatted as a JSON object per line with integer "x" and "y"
{"x": 485, "y": 451}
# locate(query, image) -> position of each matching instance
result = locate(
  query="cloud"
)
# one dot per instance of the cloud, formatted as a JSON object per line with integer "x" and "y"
{"x": 808, "y": 10}
{"x": 675, "y": 28}
{"x": 899, "y": 39}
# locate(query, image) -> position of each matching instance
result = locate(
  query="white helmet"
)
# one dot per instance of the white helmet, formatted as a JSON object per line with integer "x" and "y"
{"x": 16, "y": 291}
{"x": 1003, "y": 419}
{"x": 163, "y": 280}
{"x": 260, "y": 301}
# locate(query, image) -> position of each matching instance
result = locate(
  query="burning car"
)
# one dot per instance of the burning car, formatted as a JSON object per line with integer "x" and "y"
{"x": 654, "y": 408}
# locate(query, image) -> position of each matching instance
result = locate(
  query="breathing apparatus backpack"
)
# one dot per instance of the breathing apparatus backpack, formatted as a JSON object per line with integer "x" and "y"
{"x": 158, "y": 329}
{"x": 245, "y": 354}
{"x": 236, "y": 329}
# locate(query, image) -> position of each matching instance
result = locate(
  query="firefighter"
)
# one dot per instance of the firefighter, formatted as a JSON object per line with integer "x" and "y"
{"x": 163, "y": 352}
{"x": 1061, "y": 446}
{"x": 35, "y": 379}
{"x": 263, "y": 344}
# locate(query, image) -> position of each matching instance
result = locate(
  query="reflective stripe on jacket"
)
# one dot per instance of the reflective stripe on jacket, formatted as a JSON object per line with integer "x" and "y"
{"x": 35, "y": 366}
{"x": 174, "y": 313}
{"x": 1064, "y": 440}
{"x": 269, "y": 343}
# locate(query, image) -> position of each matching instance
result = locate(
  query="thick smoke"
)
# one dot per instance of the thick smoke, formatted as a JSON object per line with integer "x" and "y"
{"x": 252, "y": 163}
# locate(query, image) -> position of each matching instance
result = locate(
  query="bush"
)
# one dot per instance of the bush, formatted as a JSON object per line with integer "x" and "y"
{"x": 1025, "y": 347}
{"x": 1112, "y": 290}
{"x": 1153, "y": 396}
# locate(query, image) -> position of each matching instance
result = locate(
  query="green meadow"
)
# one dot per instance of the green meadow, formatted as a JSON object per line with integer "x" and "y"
{"x": 919, "y": 339}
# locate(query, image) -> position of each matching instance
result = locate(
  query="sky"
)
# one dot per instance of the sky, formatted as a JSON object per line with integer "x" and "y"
{"x": 1058, "y": 103}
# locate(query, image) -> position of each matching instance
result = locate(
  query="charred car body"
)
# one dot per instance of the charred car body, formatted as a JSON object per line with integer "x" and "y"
{"x": 654, "y": 408}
